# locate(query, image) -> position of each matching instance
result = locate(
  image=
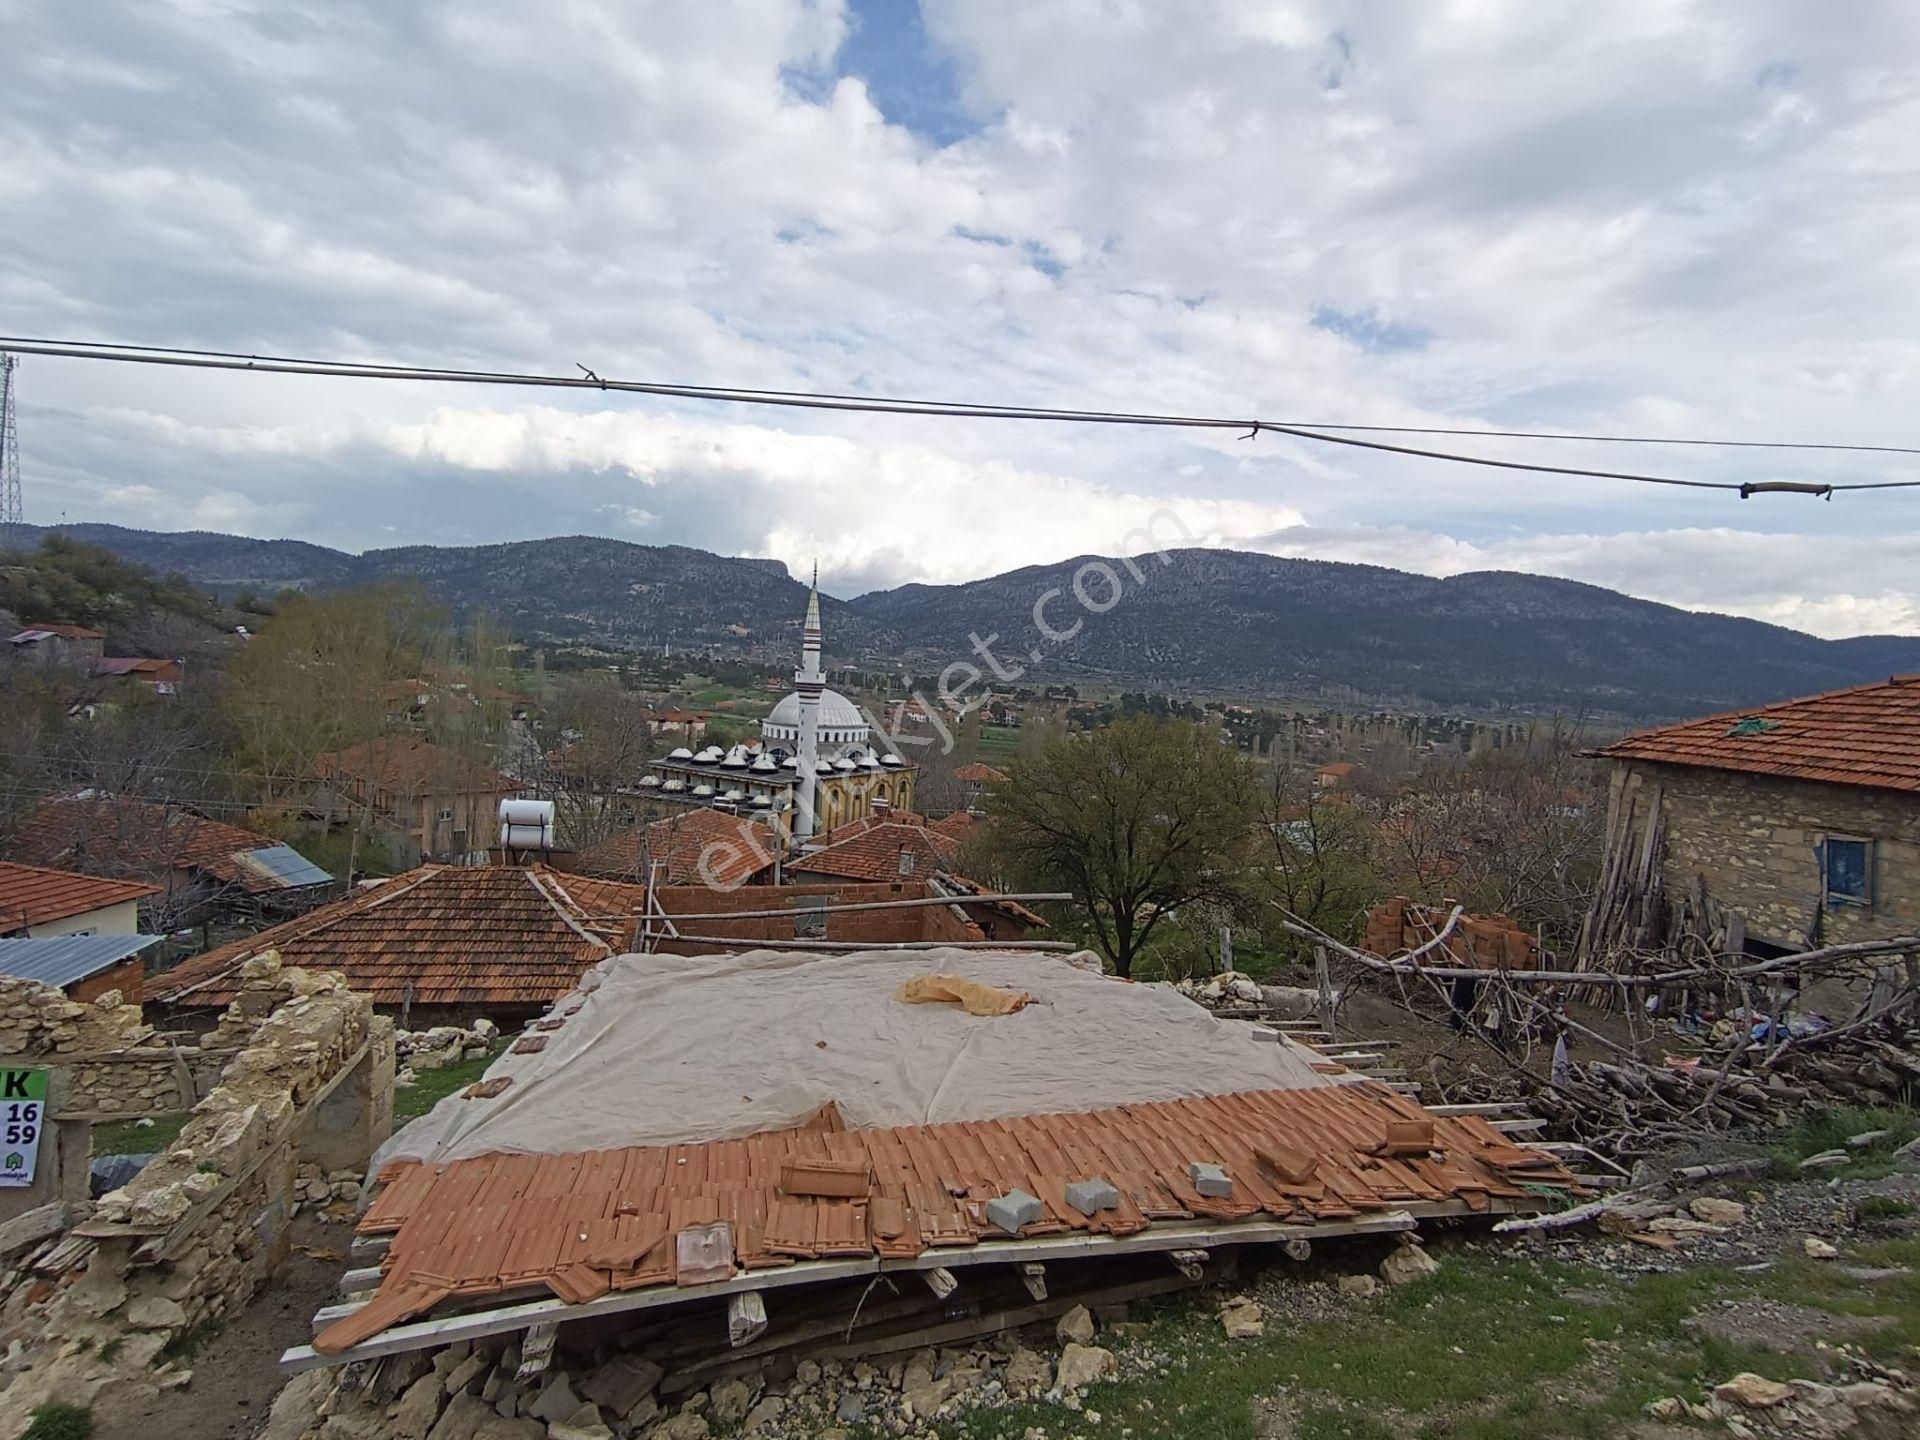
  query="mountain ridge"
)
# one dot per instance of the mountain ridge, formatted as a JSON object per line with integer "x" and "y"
{"x": 1198, "y": 620}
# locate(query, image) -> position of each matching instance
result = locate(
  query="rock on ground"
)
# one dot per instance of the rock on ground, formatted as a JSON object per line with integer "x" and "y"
{"x": 1075, "y": 1327}
{"x": 1243, "y": 1318}
{"x": 1407, "y": 1264}
{"x": 1081, "y": 1365}
{"x": 1756, "y": 1392}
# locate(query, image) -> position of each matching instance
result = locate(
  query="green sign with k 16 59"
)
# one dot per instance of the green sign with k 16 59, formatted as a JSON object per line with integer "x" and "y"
{"x": 23, "y": 1112}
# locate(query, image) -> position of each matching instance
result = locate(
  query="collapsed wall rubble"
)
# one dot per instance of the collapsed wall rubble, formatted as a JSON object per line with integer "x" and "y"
{"x": 195, "y": 1233}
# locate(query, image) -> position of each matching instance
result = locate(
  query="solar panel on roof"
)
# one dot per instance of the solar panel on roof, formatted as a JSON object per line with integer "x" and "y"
{"x": 286, "y": 865}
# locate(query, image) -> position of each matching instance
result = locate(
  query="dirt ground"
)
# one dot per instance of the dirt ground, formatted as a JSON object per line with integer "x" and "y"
{"x": 235, "y": 1371}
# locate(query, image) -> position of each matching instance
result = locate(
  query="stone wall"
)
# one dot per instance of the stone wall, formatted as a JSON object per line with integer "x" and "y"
{"x": 195, "y": 1234}
{"x": 1751, "y": 838}
{"x": 116, "y": 1066}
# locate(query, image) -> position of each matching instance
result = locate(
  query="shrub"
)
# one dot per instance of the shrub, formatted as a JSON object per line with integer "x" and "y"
{"x": 56, "y": 1421}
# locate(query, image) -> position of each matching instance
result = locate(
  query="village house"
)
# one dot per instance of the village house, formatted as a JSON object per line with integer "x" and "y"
{"x": 57, "y": 644}
{"x": 37, "y": 902}
{"x": 689, "y": 724}
{"x": 430, "y": 803}
{"x": 198, "y": 870}
{"x": 897, "y": 847}
{"x": 162, "y": 677}
{"x": 1801, "y": 820}
{"x": 976, "y": 780}
{"x": 690, "y": 847}
{"x": 1337, "y": 776}
{"x": 439, "y": 943}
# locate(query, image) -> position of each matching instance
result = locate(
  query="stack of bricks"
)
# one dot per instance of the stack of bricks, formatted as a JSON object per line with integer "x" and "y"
{"x": 1484, "y": 942}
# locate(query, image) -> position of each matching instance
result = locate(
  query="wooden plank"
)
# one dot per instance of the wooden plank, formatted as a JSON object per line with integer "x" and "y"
{"x": 427, "y": 1334}
{"x": 478, "y": 1324}
{"x": 1487, "y": 1107}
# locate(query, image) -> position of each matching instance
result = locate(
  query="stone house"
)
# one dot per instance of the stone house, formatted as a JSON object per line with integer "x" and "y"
{"x": 1787, "y": 826}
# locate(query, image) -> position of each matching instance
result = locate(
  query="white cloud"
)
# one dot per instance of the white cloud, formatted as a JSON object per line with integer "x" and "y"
{"x": 1665, "y": 217}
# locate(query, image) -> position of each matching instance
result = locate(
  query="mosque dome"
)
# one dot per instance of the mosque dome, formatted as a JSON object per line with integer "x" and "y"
{"x": 837, "y": 712}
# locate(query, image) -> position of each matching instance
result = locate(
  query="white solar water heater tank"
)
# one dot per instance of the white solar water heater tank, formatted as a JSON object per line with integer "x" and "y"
{"x": 526, "y": 824}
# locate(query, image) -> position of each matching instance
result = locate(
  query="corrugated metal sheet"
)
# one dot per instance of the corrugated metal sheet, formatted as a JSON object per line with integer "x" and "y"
{"x": 65, "y": 959}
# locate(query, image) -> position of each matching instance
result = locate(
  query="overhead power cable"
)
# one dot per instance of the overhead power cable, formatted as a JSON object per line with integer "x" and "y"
{"x": 892, "y": 405}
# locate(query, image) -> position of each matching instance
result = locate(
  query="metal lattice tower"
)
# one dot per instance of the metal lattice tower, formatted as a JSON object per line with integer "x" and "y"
{"x": 12, "y": 516}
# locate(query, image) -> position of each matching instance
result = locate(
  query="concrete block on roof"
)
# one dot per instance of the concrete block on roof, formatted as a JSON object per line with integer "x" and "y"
{"x": 1014, "y": 1209}
{"x": 1210, "y": 1180}
{"x": 1092, "y": 1196}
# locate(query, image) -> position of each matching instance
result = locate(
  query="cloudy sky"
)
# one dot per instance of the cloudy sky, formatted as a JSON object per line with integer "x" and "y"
{"x": 1665, "y": 218}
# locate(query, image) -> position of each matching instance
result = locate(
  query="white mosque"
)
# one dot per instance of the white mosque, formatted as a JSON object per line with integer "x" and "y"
{"x": 815, "y": 767}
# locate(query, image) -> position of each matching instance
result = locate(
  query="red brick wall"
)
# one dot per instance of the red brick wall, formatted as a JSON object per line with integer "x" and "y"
{"x": 922, "y": 922}
{"x": 128, "y": 977}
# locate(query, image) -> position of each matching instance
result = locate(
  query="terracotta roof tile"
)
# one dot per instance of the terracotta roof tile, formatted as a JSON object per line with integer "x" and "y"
{"x": 875, "y": 853}
{"x": 1869, "y": 735}
{"x": 532, "y": 1210}
{"x": 959, "y": 826}
{"x": 438, "y": 935}
{"x": 33, "y": 895}
{"x": 127, "y": 836}
{"x": 696, "y": 847}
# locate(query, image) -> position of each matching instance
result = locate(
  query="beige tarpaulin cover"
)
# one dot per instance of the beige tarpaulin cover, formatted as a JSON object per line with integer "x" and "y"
{"x": 667, "y": 1048}
{"x": 977, "y": 999}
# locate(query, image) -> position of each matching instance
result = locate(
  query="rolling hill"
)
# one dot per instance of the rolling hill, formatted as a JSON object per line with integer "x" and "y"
{"x": 1210, "y": 621}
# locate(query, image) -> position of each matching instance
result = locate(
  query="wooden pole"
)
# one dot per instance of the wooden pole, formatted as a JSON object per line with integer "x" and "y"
{"x": 1323, "y": 977}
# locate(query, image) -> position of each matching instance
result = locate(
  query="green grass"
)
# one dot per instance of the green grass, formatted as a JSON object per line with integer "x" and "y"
{"x": 124, "y": 1137}
{"x": 1883, "y": 1207}
{"x": 59, "y": 1422}
{"x": 1490, "y": 1349}
{"x": 413, "y": 1101}
{"x": 1830, "y": 1130}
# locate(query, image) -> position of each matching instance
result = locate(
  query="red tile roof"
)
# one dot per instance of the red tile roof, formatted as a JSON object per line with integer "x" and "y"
{"x": 122, "y": 835}
{"x": 1869, "y": 735}
{"x": 983, "y": 774}
{"x": 66, "y": 632}
{"x": 137, "y": 667}
{"x": 406, "y": 764}
{"x": 579, "y": 1225}
{"x": 34, "y": 895}
{"x": 864, "y": 823}
{"x": 960, "y": 825}
{"x": 695, "y": 847}
{"x": 438, "y": 935}
{"x": 874, "y": 853}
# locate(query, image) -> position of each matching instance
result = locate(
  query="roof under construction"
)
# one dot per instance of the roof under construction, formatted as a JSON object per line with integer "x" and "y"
{"x": 855, "y": 1132}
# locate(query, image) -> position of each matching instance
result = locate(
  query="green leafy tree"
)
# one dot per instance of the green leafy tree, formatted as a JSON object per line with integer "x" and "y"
{"x": 1319, "y": 853}
{"x": 1136, "y": 819}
